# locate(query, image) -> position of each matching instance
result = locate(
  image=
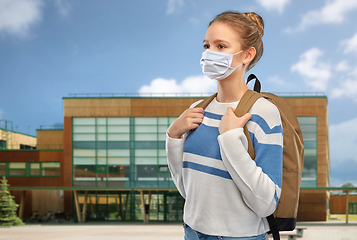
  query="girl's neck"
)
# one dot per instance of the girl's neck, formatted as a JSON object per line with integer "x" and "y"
{"x": 231, "y": 89}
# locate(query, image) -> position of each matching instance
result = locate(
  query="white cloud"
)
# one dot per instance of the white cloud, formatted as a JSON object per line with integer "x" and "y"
{"x": 63, "y": 7}
{"x": 17, "y": 17}
{"x": 350, "y": 44}
{"x": 173, "y": 6}
{"x": 276, "y": 80}
{"x": 343, "y": 66}
{"x": 193, "y": 85}
{"x": 274, "y": 5}
{"x": 348, "y": 88}
{"x": 316, "y": 72}
{"x": 334, "y": 12}
{"x": 343, "y": 141}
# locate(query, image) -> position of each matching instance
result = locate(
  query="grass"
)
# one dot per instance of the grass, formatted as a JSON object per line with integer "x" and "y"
{"x": 342, "y": 218}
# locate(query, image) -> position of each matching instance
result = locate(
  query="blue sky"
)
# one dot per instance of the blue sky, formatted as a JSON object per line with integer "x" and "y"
{"x": 52, "y": 48}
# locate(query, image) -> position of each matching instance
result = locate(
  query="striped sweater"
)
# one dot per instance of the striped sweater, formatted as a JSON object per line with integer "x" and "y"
{"x": 226, "y": 192}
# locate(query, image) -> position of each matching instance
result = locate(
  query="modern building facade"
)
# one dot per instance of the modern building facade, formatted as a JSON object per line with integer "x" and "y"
{"x": 109, "y": 161}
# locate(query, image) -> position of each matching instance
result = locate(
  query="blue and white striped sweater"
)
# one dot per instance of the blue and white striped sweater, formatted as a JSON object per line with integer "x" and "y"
{"x": 218, "y": 178}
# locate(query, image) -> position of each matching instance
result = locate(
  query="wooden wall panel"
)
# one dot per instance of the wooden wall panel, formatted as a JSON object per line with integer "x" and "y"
{"x": 92, "y": 107}
{"x": 47, "y": 200}
{"x": 338, "y": 204}
{"x": 14, "y": 139}
{"x": 49, "y": 139}
{"x": 312, "y": 206}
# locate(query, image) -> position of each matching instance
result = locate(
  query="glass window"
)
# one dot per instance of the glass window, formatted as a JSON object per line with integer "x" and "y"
{"x": 83, "y": 129}
{"x": 101, "y": 129}
{"x": 50, "y": 169}
{"x": 119, "y": 152}
{"x": 162, "y": 129}
{"x": 83, "y": 152}
{"x": 118, "y": 161}
{"x": 83, "y": 161}
{"x": 2, "y": 144}
{"x": 309, "y": 128}
{"x": 35, "y": 169}
{"x": 83, "y": 121}
{"x": 146, "y": 152}
{"x": 17, "y": 172}
{"x": 307, "y": 120}
{"x": 145, "y": 137}
{"x": 309, "y": 131}
{"x": 3, "y": 169}
{"x": 163, "y": 121}
{"x": 118, "y": 137}
{"x": 101, "y": 121}
{"x": 145, "y": 129}
{"x": 17, "y": 169}
{"x": 118, "y": 121}
{"x": 14, "y": 165}
{"x": 83, "y": 137}
{"x": 145, "y": 160}
{"x": 145, "y": 121}
{"x": 118, "y": 129}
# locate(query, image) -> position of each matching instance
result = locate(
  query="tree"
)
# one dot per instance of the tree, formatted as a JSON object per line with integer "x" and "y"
{"x": 8, "y": 207}
{"x": 348, "y": 185}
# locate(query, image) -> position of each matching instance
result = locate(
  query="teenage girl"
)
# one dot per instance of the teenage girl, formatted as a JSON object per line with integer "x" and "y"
{"x": 227, "y": 194}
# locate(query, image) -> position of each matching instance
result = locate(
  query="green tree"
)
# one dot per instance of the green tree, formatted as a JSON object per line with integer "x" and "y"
{"x": 8, "y": 207}
{"x": 348, "y": 185}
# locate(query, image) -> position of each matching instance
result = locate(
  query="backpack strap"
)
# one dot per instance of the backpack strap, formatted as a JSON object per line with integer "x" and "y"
{"x": 244, "y": 105}
{"x": 273, "y": 227}
{"x": 206, "y": 101}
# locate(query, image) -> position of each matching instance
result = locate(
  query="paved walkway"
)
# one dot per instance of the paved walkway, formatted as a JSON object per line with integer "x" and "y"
{"x": 136, "y": 231}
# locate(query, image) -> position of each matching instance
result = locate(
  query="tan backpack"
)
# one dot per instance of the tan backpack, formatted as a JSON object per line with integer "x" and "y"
{"x": 284, "y": 217}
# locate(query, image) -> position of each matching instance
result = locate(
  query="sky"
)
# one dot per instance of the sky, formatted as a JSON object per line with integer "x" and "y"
{"x": 52, "y": 48}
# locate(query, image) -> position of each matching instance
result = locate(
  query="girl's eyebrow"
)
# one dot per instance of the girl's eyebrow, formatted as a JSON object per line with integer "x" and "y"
{"x": 216, "y": 41}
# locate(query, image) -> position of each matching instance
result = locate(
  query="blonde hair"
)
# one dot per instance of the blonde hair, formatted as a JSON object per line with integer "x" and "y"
{"x": 250, "y": 28}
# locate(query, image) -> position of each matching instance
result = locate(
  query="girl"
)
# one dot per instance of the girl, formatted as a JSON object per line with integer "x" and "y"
{"x": 228, "y": 195}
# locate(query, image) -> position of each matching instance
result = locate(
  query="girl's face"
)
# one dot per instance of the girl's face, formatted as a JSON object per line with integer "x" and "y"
{"x": 221, "y": 37}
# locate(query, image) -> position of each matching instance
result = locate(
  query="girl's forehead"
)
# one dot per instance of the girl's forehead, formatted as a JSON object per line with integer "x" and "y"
{"x": 219, "y": 30}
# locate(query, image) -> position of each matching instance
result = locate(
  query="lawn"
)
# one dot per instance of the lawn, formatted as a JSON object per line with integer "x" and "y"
{"x": 342, "y": 218}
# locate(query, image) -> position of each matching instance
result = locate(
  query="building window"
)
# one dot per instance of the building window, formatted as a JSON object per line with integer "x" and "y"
{"x": 120, "y": 152}
{"x": 23, "y": 146}
{"x": 2, "y": 169}
{"x": 30, "y": 169}
{"x": 309, "y": 132}
{"x": 17, "y": 169}
{"x": 2, "y": 144}
{"x": 35, "y": 169}
{"x": 50, "y": 169}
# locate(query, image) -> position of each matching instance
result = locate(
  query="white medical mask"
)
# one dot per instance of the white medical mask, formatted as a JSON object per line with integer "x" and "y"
{"x": 217, "y": 65}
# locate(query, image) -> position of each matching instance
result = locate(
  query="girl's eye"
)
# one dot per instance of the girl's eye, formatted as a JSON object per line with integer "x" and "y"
{"x": 221, "y": 46}
{"x": 205, "y": 46}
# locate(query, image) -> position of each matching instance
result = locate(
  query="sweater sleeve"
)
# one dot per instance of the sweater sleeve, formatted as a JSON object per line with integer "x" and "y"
{"x": 258, "y": 180}
{"x": 174, "y": 152}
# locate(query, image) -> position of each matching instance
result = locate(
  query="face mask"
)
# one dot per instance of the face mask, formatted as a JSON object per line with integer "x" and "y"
{"x": 217, "y": 65}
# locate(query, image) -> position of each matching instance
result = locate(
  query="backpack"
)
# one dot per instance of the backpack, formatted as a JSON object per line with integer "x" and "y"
{"x": 284, "y": 217}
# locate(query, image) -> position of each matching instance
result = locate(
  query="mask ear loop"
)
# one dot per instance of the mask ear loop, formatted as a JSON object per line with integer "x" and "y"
{"x": 239, "y": 64}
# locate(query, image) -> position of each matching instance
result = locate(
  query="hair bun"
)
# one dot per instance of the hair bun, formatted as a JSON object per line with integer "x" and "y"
{"x": 257, "y": 21}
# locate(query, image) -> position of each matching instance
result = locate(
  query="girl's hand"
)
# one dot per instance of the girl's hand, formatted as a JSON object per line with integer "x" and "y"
{"x": 230, "y": 121}
{"x": 188, "y": 120}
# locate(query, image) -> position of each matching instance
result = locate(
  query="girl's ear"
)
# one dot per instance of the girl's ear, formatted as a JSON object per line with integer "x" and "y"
{"x": 249, "y": 55}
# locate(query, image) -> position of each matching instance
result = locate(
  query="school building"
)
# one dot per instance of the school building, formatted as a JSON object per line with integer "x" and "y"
{"x": 108, "y": 161}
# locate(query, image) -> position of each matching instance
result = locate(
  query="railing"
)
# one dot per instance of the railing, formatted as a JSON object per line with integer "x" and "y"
{"x": 51, "y": 127}
{"x": 113, "y": 95}
{"x": 16, "y": 147}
